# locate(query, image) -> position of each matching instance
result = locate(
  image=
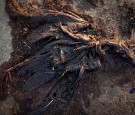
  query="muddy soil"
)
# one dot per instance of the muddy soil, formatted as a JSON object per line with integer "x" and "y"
{"x": 106, "y": 90}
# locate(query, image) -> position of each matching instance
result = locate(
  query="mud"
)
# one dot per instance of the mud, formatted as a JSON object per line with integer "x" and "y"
{"x": 67, "y": 61}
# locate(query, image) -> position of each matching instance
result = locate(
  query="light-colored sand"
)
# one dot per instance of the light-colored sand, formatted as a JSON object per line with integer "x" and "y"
{"x": 5, "y": 34}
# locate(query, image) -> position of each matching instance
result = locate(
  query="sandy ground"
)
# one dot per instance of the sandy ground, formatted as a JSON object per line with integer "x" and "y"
{"x": 108, "y": 14}
{"x": 5, "y": 34}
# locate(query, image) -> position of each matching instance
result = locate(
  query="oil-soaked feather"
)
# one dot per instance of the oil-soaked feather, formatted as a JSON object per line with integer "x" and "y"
{"x": 71, "y": 61}
{"x": 47, "y": 47}
{"x": 38, "y": 79}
